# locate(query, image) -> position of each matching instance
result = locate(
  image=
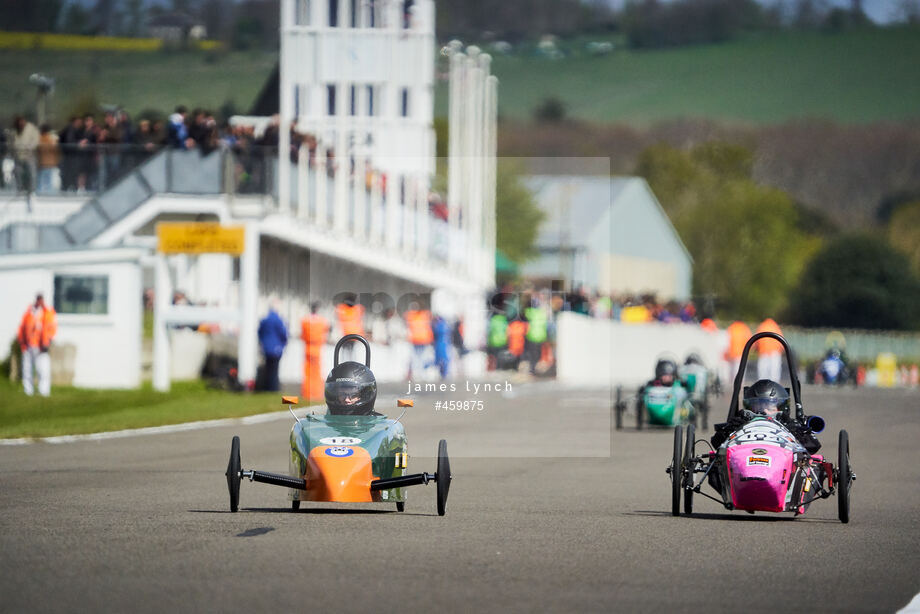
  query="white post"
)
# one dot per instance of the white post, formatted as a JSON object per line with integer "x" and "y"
{"x": 392, "y": 211}
{"x": 342, "y": 168}
{"x": 408, "y": 215}
{"x": 247, "y": 348}
{"x": 360, "y": 191}
{"x": 162, "y": 296}
{"x": 491, "y": 177}
{"x": 422, "y": 219}
{"x": 454, "y": 149}
{"x": 376, "y": 209}
{"x": 303, "y": 182}
{"x": 319, "y": 18}
{"x": 321, "y": 182}
{"x": 286, "y": 98}
{"x": 473, "y": 125}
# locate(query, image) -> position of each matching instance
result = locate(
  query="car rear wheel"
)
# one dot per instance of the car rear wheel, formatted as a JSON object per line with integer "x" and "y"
{"x": 640, "y": 414}
{"x": 618, "y": 408}
{"x": 844, "y": 477}
{"x": 675, "y": 471}
{"x": 686, "y": 469}
{"x": 233, "y": 474}
{"x": 295, "y": 505}
{"x": 400, "y": 506}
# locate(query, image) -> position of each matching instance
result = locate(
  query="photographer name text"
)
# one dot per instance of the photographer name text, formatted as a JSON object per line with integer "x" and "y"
{"x": 471, "y": 387}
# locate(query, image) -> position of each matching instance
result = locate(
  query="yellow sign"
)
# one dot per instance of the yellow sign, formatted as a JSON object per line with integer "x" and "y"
{"x": 199, "y": 238}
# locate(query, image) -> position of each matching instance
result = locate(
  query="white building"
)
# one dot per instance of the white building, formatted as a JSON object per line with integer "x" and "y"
{"x": 350, "y": 216}
{"x": 607, "y": 234}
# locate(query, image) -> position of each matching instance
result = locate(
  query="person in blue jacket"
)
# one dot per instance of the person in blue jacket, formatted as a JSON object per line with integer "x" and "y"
{"x": 273, "y": 337}
{"x": 442, "y": 339}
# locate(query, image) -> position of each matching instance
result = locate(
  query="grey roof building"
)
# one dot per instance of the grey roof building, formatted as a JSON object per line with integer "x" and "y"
{"x": 608, "y": 234}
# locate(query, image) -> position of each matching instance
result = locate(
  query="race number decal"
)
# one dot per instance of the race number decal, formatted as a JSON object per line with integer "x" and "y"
{"x": 339, "y": 452}
{"x": 758, "y": 461}
{"x": 340, "y": 441}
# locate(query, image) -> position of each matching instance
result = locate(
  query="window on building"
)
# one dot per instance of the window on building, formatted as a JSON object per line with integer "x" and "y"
{"x": 333, "y": 13}
{"x": 404, "y": 106}
{"x": 85, "y": 294}
{"x": 330, "y": 94}
{"x": 302, "y": 13}
{"x": 354, "y": 6}
{"x": 371, "y": 14}
{"x": 370, "y": 100}
{"x": 353, "y": 103}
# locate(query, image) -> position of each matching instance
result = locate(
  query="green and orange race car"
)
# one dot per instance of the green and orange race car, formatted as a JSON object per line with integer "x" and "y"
{"x": 351, "y": 454}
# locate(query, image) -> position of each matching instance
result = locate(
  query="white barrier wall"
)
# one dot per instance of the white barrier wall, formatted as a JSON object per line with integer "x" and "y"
{"x": 595, "y": 352}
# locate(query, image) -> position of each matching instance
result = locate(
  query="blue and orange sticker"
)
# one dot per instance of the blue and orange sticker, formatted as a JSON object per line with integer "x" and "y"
{"x": 339, "y": 452}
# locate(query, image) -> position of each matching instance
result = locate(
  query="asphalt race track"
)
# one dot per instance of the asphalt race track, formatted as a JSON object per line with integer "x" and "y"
{"x": 141, "y": 524}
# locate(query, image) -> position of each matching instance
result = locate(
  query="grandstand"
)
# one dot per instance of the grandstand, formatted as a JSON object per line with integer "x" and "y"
{"x": 343, "y": 208}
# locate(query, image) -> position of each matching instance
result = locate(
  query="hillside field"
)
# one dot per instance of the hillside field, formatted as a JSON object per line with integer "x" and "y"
{"x": 852, "y": 77}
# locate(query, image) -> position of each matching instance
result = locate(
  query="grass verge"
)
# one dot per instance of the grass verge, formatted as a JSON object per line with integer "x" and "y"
{"x": 71, "y": 411}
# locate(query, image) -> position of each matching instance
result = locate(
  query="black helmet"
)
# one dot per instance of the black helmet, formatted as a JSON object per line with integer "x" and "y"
{"x": 693, "y": 359}
{"x": 665, "y": 367}
{"x": 766, "y": 398}
{"x": 351, "y": 387}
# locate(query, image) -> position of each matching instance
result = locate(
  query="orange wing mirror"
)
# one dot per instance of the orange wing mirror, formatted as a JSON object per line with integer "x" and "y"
{"x": 405, "y": 403}
{"x": 290, "y": 400}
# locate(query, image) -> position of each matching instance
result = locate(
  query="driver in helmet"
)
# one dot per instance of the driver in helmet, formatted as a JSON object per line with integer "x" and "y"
{"x": 665, "y": 373}
{"x": 351, "y": 390}
{"x": 767, "y": 399}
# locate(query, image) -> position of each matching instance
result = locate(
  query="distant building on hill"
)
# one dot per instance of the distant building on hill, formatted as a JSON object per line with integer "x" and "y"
{"x": 608, "y": 234}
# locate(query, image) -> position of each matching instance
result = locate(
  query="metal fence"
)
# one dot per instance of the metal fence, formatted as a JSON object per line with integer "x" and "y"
{"x": 66, "y": 170}
{"x": 861, "y": 345}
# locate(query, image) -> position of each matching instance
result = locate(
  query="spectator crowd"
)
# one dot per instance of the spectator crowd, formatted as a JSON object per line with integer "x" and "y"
{"x": 90, "y": 151}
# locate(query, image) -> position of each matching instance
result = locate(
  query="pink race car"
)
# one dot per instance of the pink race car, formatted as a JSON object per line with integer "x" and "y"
{"x": 764, "y": 457}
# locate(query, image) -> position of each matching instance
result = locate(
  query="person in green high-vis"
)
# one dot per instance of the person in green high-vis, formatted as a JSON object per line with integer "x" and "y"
{"x": 537, "y": 321}
{"x": 497, "y": 338}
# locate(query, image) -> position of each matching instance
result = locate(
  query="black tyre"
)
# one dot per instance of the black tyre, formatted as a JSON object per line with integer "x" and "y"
{"x": 443, "y": 477}
{"x": 233, "y": 474}
{"x": 400, "y": 506}
{"x": 640, "y": 414}
{"x": 295, "y": 505}
{"x": 675, "y": 471}
{"x": 844, "y": 477}
{"x": 686, "y": 469}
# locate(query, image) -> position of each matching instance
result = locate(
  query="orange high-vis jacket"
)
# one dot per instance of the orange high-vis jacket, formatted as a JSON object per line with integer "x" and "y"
{"x": 419, "y": 323}
{"x": 350, "y": 319}
{"x": 738, "y": 335}
{"x": 35, "y": 334}
{"x": 516, "y": 331}
{"x": 769, "y": 346}
{"x": 709, "y": 325}
{"x": 314, "y": 330}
